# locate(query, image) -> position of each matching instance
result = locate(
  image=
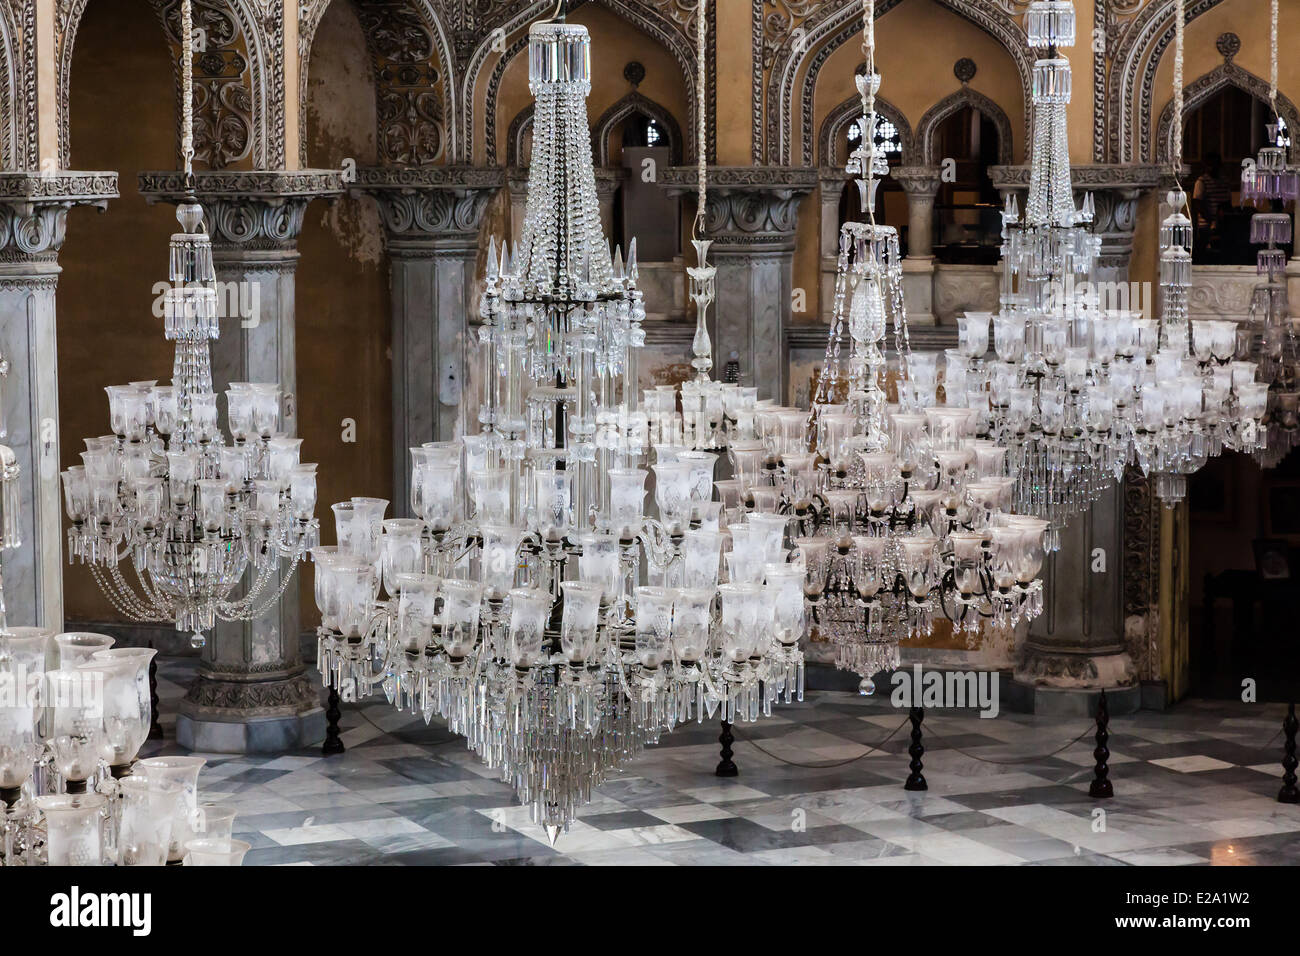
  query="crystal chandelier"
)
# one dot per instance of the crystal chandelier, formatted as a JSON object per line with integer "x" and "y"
{"x": 513, "y": 605}
{"x": 166, "y": 494}
{"x": 1272, "y": 335}
{"x": 902, "y": 513}
{"x": 1077, "y": 390}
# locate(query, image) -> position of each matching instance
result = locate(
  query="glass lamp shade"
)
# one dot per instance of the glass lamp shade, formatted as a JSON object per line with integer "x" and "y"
{"x": 145, "y": 830}
{"x": 215, "y": 852}
{"x": 461, "y": 606}
{"x": 183, "y": 772}
{"x": 22, "y": 666}
{"x": 500, "y": 559}
{"x": 742, "y": 616}
{"x": 417, "y": 606}
{"x": 76, "y": 647}
{"x": 530, "y": 608}
{"x": 402, "y": 550}
{"x": 600, "y": 563}
{"x": 125, "y": 717}
{"x": 692, "y": 619}
{"x": 654, "y": 621}
{"x": 580, "y": 617}
{"x": 73, "y": 828}
{"x": 74, "y": 700}
{"x": 626, "y": 500}
{"x": 784, "y": 593}
{"x": 138, "y": 658}
{"x": 673, "y": 484}
{"x": 436, "y": 494}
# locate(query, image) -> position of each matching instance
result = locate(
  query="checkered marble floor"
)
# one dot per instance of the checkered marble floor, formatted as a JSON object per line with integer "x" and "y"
{"x": 1197, "y": 785}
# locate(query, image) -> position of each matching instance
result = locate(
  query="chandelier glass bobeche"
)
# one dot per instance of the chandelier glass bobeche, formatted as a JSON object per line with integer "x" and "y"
{"x": 167, "y": 496}
{"x": 902, "y": 514}
{"x": 513, "y": 605}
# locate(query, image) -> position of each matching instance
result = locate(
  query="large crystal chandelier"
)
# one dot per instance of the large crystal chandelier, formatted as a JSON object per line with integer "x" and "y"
{"x": 1272, "y": 335}
{"x": 1078, "y": 390}
{"x": 902, "y": 514}
{"x": 166, "y": 495}
{"x": 513, "y": 605}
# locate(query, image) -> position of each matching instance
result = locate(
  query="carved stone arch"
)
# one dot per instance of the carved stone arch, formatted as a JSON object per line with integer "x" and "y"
{"x": 1201, "y": 89}
{"x": 669, "y": 22}
{"x": 519, "y": 127}
{"x": 850, "y": 111}
{"x": 634, "y": 102}
{"x": 952, "y": 103}
{"x": 10, "y": 121}
{"x": 794, "y": 66}
{"x": 247, "y": 110}
{"x": 415, "y": 81}
{"x": 1133, "y": 73}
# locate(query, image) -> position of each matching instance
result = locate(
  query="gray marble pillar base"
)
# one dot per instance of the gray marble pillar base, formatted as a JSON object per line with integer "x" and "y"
{"x": 253, "y": 716}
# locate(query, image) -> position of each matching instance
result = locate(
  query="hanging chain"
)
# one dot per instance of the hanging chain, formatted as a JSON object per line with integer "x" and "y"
{"x": 1176, "y": 148}
{"x": 701, "y": 153}
{"x": 869, "y": 100}
{"x": 187, "y": 88}
{"x": 1272, "y": 57}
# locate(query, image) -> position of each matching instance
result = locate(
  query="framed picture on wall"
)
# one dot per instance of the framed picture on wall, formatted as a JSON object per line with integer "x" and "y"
{"x": 1282, "y": 510}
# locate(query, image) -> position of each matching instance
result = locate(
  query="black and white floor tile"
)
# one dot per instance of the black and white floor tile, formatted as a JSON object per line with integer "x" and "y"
{"x": 1196, "y": 785}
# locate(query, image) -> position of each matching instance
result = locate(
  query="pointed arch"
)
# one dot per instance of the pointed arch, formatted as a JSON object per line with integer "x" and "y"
{"x": 670, "y": 26}
{"x": 850, "y": 111}
{"x": 249, "y": 108}
{"x": 953, "y": 103}
{"x": 1224, "y": 75}
{"x": 796, "y": 55}
{"x": 633, "y": 102}
{"x": 1130, "y": 98}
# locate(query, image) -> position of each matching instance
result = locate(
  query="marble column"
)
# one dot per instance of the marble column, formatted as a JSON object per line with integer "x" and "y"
{"x": 1078, "y": 646}
{"x": 752, "y": 218}
{"x": 431, "y": 219}
{"x": 921, "y": 184}
{"x": 831, "y": 183}
{"x": 252, "y": 693}
{"x": 33, "y": 224}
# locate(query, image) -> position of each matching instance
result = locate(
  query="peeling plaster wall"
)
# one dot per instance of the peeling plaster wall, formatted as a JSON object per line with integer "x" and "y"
{"x": 122, "y": 101}
{"x": 343, "y": 304}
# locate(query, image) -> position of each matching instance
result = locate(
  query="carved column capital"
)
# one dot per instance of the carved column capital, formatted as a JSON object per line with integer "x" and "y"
{"x": 248, "y": 211}
{"x": 423, "y": 205}
{"x": 750, "y": 208}
{"x": 921, "y": 182}
{"x": 34, "y": 218}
